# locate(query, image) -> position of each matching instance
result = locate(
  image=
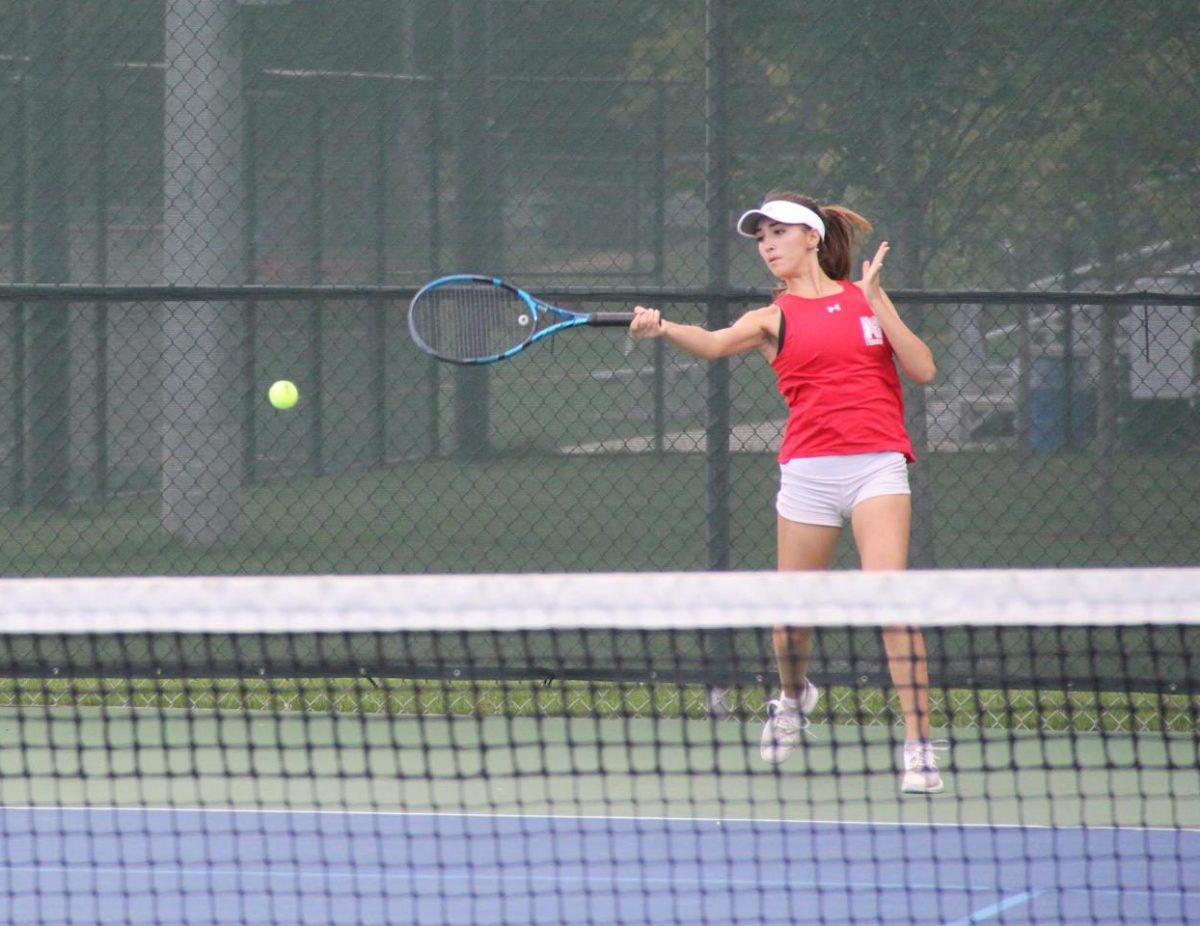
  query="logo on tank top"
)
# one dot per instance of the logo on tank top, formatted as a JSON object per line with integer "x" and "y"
{"x": 872, "y": 332}
{"x": 833, "y": 308}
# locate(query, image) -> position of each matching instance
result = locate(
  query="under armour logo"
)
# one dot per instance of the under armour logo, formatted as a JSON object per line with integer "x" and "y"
{"x": 833, "y": 308}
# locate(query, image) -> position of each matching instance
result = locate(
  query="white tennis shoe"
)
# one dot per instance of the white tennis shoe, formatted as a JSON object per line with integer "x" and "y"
{"x": 785, "y": 728}
{"x": 921, "y": 775}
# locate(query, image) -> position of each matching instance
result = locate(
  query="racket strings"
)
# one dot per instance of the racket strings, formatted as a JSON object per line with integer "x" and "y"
{"x": 472, "y": 321}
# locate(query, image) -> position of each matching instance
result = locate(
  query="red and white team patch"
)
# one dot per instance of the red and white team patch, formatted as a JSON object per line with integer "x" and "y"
{"x": 872, "y": 332}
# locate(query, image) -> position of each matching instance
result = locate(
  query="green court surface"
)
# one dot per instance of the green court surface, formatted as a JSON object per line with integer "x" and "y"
{"x": 665, "y": 767}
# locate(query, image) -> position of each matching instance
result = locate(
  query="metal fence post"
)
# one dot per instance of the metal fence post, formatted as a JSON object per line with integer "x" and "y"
{"x": 475, "y": 220}
{"x": 202, "y": 445}
{"x": 18, "y": 204}
{"x": 716, "y": 182}
{"x": 100, "y": 308}
{"x": 718, "y": 646}
{"x": 48, "y": 390}
{"x": 249, "y": 308}
{"x": 377, "y": 326}
{"x": 314, "y": 315}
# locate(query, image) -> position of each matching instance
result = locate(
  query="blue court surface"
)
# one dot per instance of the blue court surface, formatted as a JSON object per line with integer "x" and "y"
{"x": 141, "y": 866}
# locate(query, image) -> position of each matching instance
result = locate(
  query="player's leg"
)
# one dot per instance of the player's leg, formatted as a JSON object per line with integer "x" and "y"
{"x": 881, "y": 526}
{"x": 800, "y": 547}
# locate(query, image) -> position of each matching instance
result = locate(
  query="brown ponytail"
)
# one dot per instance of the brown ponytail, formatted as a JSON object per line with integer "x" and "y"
{"x": 842, "y": 227}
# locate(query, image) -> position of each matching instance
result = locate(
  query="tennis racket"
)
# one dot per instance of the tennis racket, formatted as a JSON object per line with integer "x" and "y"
{"x": 479, "y": 319}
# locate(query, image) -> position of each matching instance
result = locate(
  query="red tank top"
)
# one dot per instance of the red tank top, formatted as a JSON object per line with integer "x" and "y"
{"x": 835, "y": 369}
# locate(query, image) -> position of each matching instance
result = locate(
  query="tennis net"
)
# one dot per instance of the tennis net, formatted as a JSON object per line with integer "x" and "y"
{"x": 590, "y": 749}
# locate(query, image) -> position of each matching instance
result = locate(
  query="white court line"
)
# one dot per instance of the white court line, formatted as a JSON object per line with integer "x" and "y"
{"x": 621, "y": 818}
{"x": 988, "y": 913}
{"x": 443, "y": 873}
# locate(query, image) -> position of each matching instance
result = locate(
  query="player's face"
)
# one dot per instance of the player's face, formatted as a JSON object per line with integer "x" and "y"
{"x": 784, "y": 248}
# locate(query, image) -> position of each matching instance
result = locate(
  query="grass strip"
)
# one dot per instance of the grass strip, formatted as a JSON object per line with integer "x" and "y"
{"x": 1012, "y": 709}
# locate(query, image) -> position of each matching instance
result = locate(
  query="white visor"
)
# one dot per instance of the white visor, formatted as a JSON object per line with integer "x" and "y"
{"x": 780, "y": 210}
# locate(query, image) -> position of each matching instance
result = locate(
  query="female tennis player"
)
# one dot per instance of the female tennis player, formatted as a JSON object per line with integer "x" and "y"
{"x": 834, "y": 345}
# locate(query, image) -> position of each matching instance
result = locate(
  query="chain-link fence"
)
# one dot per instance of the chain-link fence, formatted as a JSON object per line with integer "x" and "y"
{"x": 199, "y": 197}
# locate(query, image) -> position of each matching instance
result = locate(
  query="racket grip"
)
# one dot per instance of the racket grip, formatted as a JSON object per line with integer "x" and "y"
{"x": 610, "y": 319}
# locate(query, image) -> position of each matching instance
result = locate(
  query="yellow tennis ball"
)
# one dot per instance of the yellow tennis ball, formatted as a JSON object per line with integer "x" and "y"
{"x": 283, "y": 394}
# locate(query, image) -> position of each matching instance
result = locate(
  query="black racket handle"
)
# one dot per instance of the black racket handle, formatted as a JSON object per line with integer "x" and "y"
{"x": 610, "y": 319}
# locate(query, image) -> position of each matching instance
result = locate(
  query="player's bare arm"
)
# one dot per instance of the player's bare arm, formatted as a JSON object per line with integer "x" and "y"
{"x": 912, "y": 353}
{"x": 756, "y": 330}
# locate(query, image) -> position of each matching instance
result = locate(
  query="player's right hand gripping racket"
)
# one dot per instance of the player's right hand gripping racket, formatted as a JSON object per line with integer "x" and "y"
{"x": 480, "y": 319}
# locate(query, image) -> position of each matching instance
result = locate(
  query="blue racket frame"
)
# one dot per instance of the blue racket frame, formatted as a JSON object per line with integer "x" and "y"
{"x": 538, "y": 311}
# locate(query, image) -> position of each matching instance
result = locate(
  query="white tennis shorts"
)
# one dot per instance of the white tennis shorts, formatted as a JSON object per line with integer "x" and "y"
{"x": 824, "y": 490}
